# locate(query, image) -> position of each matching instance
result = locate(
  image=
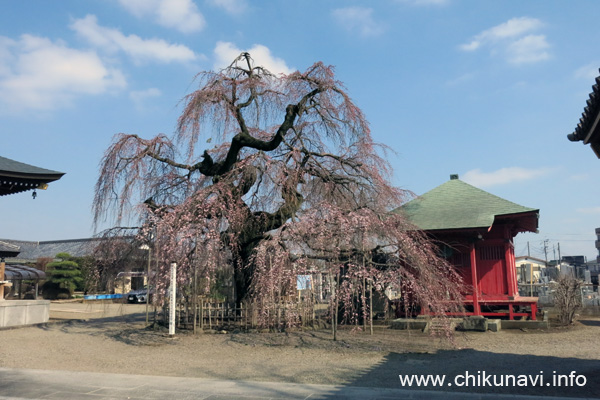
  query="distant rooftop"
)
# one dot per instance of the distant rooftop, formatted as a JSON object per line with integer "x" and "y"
{"x": 8, "y": 250}
{"x": 31, "y": 251}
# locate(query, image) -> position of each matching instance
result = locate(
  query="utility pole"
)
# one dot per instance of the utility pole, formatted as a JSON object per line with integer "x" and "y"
{"x": 528, "y": 251}
{"x": 546, "y": 251}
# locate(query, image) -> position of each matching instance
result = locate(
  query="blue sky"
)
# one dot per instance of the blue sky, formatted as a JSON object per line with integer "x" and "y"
{"x": 485, "y": 89}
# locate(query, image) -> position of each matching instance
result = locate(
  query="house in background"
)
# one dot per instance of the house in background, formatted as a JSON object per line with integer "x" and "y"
{"x": 476, "y": 230}
{"x": 530, "y": 269}
{"x": 131, "y": 273}
{"x": 30, "y": 253}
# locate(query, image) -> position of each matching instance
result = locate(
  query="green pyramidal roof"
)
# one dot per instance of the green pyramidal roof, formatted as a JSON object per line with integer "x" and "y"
{"x": 458, "y": 205}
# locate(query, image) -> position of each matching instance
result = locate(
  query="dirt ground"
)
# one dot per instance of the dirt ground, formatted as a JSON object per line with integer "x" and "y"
{"x": 114, "y": 339}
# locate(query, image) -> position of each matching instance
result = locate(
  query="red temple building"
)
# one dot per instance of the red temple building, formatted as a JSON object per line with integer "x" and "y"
{"x": 475, "y": 231}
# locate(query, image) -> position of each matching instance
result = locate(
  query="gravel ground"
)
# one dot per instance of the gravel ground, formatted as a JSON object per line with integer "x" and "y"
{"x": 114, "y": 340}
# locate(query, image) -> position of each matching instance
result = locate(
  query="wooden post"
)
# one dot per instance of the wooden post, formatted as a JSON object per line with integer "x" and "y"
{"x": 364, "y": 303}
{"x": 371, "y": 306}
{"x": 531, "y": 280}
{"x": 242, "y": 316}
{"x": 195, "y": 291}
{"x": 173, "y": 299}
{"x": 279, "y": 317}
{"x": 474, "y": 278}
{"x": 202, "y": 314}
{"x": 147, "y": 287}
{"x": 154, "y": 303}
{"x": 510, "y": 266}
{"x": 2, "y": 267}
{"x": 335, "y": 316}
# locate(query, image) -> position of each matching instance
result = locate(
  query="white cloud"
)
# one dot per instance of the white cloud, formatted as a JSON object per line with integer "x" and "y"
{"x": 139, "y": 49}
{"x": 580, "y": 177}
{"x": 528, "y": 49}
{"x": 226, "y": 52}
{"x": 587, "y": 72}
{"x": 234, "y": 7}
{"x": 589, "y": 210}
{"x": 425, "y": 2}
{"x": 38, "y": 74}
{"x": 512, "y": 28}
{"x": 139, "y": 97}
{"x": 503, "y": 176}
{"x": 514, "y": 39}
{"x": 182, "y": 15}
{"x": 461, "y": 79}
{"x": 358, "y": 19}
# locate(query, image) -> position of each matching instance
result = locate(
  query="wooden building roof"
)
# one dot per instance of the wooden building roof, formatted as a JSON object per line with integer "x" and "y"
{"x": 18, "y": 177}
{"x": 456, "y": 205}
{"x": 8, "y": 250}
{"x": 588, "y": 129}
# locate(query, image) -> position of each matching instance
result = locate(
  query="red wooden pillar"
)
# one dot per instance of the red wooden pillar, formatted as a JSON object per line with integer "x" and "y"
{"x": 510, "y": 265}
{"x": 533, "y": 311}
{"x": 475, "y": 281}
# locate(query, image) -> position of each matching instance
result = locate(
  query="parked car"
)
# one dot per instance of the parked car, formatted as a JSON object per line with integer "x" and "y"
{"x": 139, "y": 296}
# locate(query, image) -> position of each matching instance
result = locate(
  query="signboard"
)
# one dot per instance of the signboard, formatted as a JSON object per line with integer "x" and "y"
{"x": 304, "y": 282}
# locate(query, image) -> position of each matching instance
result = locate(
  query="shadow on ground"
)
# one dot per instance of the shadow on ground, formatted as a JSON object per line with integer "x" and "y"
{"x": 590, "y": 322}
{"x": 126, "y": 328}
{"x": 469, "y": 368}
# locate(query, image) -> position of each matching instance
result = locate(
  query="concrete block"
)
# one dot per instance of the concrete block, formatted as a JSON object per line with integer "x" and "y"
{"x": 507, "y": 324}
{"x": 23, "y": 312}
{"x": 494, "y": 325}
{"x": 408, "y": 323}
{"x": 474, "y": 323}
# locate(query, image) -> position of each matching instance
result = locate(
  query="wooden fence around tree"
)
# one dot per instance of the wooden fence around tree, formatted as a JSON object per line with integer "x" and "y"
{"x": 209, "y": 314}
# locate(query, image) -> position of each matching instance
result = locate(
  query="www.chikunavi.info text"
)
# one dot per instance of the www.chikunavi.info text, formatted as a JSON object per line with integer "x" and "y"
{"x": 483, "y": 379}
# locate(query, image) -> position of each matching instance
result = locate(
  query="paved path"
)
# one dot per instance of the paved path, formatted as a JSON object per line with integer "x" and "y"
{"x": 44, "y": 384}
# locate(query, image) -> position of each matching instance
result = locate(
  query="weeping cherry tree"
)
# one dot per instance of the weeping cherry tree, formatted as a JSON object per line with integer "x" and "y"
{"x": 291, "y": 179}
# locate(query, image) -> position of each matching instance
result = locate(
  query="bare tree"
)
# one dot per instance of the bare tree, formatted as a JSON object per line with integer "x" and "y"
{"x": 567, "y": 298}
{"x": 292, "y": 175}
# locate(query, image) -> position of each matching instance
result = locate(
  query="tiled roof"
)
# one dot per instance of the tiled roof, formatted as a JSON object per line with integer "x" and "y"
{"x": 458, "y": 205}
{"x": 17, "y": 177}
{"x": 588, "y": 129}
{"x": 15, "y": 167}
{"x": 8, "y": 249}
{"x": 31, "y": 251}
